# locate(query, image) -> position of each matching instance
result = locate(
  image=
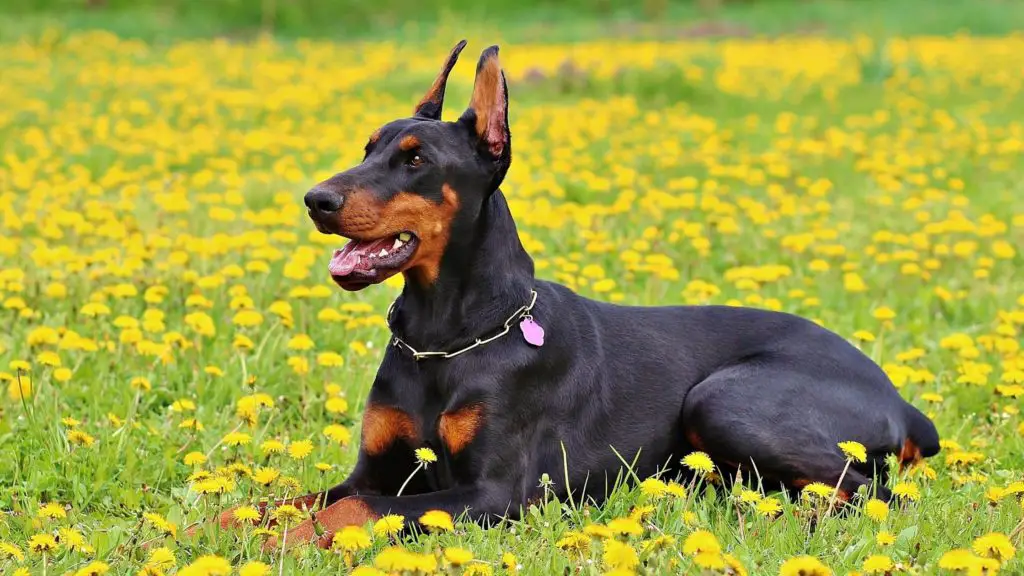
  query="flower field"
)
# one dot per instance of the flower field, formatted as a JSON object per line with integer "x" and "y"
{"x": 173, "y": 343}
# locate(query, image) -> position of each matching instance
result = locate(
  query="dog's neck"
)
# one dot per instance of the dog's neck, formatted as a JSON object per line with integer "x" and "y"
{"x": 485, "y": 275}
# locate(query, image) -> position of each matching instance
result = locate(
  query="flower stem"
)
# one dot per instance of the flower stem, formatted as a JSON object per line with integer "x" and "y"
{"x": 402, "y": 489}
{"x": 835, "y": 492}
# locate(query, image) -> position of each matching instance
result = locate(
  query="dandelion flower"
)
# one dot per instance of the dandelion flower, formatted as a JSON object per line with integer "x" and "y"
{"x": 701, "y": 541}
{"x": 42, "y": 543}
{"x": 246, "y": 514}
{"x": 457, "y": 556}
{"x": 699, "y": 462}
{"x": 286, "y": 514}
{"x": 272, "y": 447}
{"x": 208, "y": 565}
{"x": 877, "y": 564}
{"x": 876, "y": 509}
{"x": 8, "y": 550}
{"x": 653, "y": 487}
{"x": 768, "y": 507}
{"x": 265, "y": 475}
{"x": 389, "y": 525}
{"x": 709, "y": 560}
{"x": 619, "y": 555}
{"x": 52, "y": 510}
{"x": 350, "y": 539}
{"x": 626, "y": 527}
{"x": 338, "y": 433}
{"x": 818, "y": 489}
{"x": 425, "y": 456}
{"x": 885, "y": 538}
{"x": 336, "y": 405}
{"x": 161, "y": 524}
{"x": 854, "y": 451}
{"x": 598, "y": 531}
{"x": 95, "y": 568}
{"x": 907, "y": 491}
{"x": 804, "y": 566}
{"x": 994, "y": 545}
{"x": 438, "y": 520}
{"x": 236, "y": 439}
{"x": 573, "y": 540}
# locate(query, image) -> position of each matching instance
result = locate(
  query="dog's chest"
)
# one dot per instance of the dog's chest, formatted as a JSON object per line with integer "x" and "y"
{"x": 422, "y": 409}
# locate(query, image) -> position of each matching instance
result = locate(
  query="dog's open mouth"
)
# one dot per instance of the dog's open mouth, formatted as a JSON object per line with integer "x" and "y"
{"x": 363, "y": 262}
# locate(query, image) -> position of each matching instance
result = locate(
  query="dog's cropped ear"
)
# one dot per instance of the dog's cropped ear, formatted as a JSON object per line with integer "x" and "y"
{"x": 432, "y": 103}
{"x": 488, "y": 110}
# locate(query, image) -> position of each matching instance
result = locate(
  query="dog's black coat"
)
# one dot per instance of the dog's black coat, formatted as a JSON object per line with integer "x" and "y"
{"x": 766, "y": 391}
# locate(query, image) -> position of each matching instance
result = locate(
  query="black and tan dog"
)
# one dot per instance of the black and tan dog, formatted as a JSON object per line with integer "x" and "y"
{"x": 499, "y": 372}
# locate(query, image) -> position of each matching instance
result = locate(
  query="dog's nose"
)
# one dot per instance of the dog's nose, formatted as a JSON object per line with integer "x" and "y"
{"x": 320, "y": 200}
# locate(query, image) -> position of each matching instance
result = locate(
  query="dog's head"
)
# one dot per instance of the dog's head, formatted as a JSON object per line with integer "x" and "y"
{"x": 419, "y": 178}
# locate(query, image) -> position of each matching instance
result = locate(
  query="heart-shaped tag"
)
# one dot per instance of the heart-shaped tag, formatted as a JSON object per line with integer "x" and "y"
{"x": 532, "y": 331}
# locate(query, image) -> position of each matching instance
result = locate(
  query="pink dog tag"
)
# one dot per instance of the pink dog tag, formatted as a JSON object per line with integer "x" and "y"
{"x": 532, "y": 331}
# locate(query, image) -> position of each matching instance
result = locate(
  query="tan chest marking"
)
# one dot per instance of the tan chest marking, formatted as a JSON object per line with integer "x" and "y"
{"x": 457, "y": 429}
{"x": 383, "y": 426}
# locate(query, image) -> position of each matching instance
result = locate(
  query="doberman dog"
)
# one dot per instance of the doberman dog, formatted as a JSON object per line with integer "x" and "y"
{"x": 505, "y": 375}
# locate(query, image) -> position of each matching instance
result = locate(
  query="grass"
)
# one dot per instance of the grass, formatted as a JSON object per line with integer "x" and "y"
{"x": 160, "y": 280}
{"x": 531, "y": 21}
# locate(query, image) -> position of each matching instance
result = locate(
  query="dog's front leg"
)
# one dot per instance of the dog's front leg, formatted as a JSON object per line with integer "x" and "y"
{"x": 478, "y": 501}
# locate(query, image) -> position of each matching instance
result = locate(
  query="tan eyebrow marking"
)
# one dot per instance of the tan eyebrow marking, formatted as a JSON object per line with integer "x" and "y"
{"x": 408, "y": 143}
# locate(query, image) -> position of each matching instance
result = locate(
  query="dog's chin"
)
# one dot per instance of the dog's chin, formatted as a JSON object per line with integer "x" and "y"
{"x": 358, "y": 281}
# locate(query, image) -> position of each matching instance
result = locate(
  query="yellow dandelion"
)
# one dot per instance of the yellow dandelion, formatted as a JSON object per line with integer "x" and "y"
{"x": 996, "y": 546}
{"x": 94, "y": 568}
{"x": 300, "y": 449}
{"x": 52, "y": 510}
{"x": 351, "y": 539}
{"x": 573, "y": 541}
{"x": 876, "y": 509}
{"x": 626, "y": 527}
{"x": 425, "y": 456}
{"x": 272, "y": 447}
{"x": 854, "y": 451}
{"x": 389, "y": 525}
{"x": 701, "y": 541}
{"x": 8, "y": 550}
{"x": 619, "y": 555}
{"x": 699, "y": 462}
{"x": 804, "y": 566}
{"x": 457, "y": 556}
{"x": 42, "y": 543}
{"x": 907, "y": 491}
{"x": 438, "y": 520}
{"x": 265, "y": 475}
{"x": 287, "y": 514}
{"x": 769, "y": 507}
{"x": 877, "y": 564}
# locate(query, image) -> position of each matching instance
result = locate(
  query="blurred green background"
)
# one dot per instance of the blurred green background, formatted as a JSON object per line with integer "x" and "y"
{"x": 526, "y": 20}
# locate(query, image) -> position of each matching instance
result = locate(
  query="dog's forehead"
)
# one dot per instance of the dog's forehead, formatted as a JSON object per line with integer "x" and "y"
{"x": 422, "y": 127}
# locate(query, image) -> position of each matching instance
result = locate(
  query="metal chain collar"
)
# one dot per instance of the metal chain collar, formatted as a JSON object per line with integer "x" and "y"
{"x": 522, "y": 312}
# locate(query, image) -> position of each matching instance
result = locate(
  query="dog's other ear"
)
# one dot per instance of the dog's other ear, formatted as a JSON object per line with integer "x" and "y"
{"x": 432, "y": 103}
{"x": 488, "y": 110}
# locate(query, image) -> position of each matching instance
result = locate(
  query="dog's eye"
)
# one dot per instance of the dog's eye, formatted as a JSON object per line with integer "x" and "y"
{"x": 415, "y": 161}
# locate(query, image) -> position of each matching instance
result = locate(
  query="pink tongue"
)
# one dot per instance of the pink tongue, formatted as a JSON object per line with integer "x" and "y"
{"x": 344, "y": 261}
{"x": 357, "y": 255}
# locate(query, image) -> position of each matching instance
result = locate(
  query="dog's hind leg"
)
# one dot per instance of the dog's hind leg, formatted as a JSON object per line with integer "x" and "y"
{"x": 775, "y": 430}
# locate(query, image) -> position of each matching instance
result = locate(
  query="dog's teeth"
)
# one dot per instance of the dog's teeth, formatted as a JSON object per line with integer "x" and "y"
{"x": 397, "y": 244}
{"x": 404, "y": 236}
{"x": 383, "y": 252}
